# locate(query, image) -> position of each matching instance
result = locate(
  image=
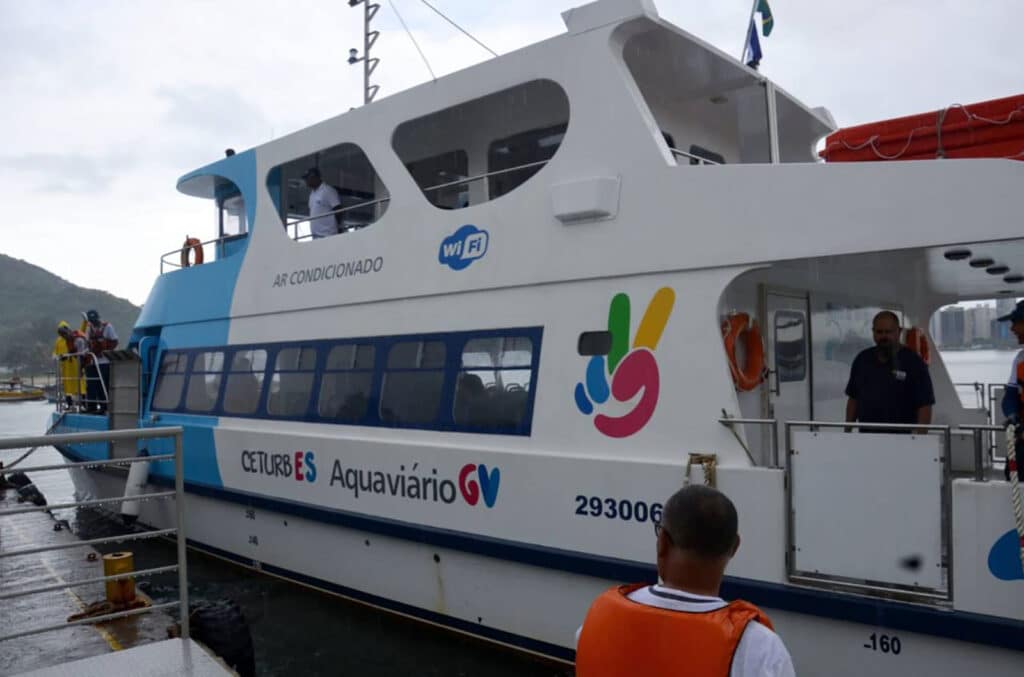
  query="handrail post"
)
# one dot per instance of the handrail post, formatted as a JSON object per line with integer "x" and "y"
{"x": 979, "y": 471}
{"x": 775, "y": 443}
{"x": 179, "y": 505}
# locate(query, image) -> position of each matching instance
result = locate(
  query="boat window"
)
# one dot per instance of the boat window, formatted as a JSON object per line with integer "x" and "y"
{"x": 231, "y": 216}
{"x": 790, "y": 342}
{"x": 466, "y": 143}
{"x": 524, "y": 150}
{"x": 413, "y": 378}
{"x": 594, "y": 343}
{"x": 245, "y": 381}
{"x": 494, "y": 382}
{"x": 292, "y": 382}
{"x": 204, "y": 381}
{"x": 347, "y": 382}
{"x": 442, "y": 178}
{"x": 353, "y": 192}
{"x": 170, "y": 381}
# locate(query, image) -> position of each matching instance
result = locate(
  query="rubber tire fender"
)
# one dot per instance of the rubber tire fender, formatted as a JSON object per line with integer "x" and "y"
{"x": 222, "y": 627}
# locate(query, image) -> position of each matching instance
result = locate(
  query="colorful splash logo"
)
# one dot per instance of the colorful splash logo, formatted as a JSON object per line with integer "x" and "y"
{"x": 1004, "y": 557}
{"x": 633, "y": 370}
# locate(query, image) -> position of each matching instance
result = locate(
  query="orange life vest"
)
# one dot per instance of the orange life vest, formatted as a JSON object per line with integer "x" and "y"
{"x": 97, "y": 342}
{"x": 623, "y": 638}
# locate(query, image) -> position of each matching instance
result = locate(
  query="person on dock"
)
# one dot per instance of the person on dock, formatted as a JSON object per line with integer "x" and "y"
{"x": 889, "y": 383}
{"x": 1013, "y": 394}
{"x": 68, "y": 344}
{"x": 682, "y": 626}
{"x": 323, "y": 199}
{"x": 101, "y": 337}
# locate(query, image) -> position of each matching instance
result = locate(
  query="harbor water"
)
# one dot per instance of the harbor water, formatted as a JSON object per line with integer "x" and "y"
{"x": 297, "y": 631}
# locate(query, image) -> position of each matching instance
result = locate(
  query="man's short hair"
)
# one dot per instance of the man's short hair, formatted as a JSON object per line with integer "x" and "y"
{"x": 701, "y": 520}
{"x": 887, "y": 314}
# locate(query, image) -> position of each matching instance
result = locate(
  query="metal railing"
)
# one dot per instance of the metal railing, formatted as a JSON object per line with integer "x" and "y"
{"x": 773, "y": 425}
{"x": 307, "y": 236}
{"x": 441, "y": 186}
{"x": 217, "y": 240}
{"x": 178, "y": 531}
{"x": 78, "y": 400}
{"x": 946, "y": 502}
{"x": 700, "y": 159}
{"x": 977, "y": 432}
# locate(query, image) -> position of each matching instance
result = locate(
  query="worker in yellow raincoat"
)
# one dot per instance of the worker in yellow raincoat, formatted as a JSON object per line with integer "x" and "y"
{"x": 69, "y": 342}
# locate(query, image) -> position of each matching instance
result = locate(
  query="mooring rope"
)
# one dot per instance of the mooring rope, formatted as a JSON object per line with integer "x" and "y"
{"x": 1011, "y": 465}
{"x": 4, "y": 468}
{"x": 708, "y": 462}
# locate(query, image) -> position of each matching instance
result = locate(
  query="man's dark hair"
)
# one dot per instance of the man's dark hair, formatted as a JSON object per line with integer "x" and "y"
{"x": 887, "y": 314}
{"x": 701, "y": 520}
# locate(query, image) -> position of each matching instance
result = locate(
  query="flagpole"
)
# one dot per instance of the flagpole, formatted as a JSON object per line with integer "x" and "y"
{"x": 750, "y": 27}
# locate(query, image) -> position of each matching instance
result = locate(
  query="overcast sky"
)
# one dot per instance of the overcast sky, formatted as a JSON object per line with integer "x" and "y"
{"x": 105, "y": 103}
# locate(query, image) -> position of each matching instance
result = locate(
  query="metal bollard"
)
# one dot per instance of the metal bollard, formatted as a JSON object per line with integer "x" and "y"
{"x": 122, "y": 591}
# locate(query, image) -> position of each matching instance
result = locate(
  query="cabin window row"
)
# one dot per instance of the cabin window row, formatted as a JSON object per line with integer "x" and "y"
{"x": 470, "y": 381}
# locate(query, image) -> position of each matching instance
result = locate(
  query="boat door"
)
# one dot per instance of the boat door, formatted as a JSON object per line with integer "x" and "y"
{"x": 787, "y": 333}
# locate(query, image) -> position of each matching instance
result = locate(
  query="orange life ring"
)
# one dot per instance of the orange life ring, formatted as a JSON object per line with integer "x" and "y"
{"x": 191, "y": 244}
{"x": 751, "y": 374}
{"x": 916, "y": 340}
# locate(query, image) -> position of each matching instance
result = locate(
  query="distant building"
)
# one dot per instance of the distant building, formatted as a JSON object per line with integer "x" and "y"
{"x": 935, "y": 329}
{"x": 981, "y": 317}
{"x": 951, "y": 324}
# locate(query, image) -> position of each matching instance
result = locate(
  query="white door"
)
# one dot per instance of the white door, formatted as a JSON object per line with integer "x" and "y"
{"x": 788, "y": 343}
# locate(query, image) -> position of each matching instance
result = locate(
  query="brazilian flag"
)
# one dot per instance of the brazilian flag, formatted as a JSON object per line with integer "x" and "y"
{"x": 767, "y": 22}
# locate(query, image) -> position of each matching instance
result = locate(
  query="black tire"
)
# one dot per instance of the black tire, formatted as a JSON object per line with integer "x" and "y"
{"x": 18, "y": 479}
{"x": 222, "y": 627}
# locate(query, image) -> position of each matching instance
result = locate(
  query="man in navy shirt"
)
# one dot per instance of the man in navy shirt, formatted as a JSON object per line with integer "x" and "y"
{"x": 889, "y": 383}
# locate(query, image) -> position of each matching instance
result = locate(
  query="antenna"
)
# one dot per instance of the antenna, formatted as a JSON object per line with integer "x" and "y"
{"x": 369, "y": 37}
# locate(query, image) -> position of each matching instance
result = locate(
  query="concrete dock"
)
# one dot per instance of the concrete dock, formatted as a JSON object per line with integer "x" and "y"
{"x": 133, "y": 645}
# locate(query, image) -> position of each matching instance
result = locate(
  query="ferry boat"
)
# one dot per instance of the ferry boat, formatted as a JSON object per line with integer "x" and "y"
{"x": 468, "y": 405}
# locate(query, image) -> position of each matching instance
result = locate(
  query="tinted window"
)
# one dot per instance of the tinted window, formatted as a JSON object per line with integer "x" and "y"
{"x": 530, "y": 148}
{"x": 790, "y": 346}
{"x": 411, "y": 391}
{"x": 494, "y": 382}
{"x": 170, "y": 381}
{"x": 346, "y": 384}
{"x": 442, "y": 178}
{"x": 362, "y": 196}
{"x": 204, "y": 381}
{"x": 456, "y": 147}
{"x": 292, "y": 382}
{"x": 245, "y": 381}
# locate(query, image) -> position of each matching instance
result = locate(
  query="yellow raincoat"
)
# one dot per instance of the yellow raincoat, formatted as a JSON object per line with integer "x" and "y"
{"x": 70, "y": 371}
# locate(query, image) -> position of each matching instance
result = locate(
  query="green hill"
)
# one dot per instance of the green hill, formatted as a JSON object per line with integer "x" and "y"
{"x": 33, "y": 301}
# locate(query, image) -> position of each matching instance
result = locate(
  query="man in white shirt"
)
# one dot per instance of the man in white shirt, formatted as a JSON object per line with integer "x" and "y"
{"x": 323, "y": 199}
{"x": 681, "y": 626}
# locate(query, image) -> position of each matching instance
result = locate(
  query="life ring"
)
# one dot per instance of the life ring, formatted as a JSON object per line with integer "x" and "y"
{"x": 916, "y": 340}
{"x": 750, "y": 375}
{"x": 191, "y": 244}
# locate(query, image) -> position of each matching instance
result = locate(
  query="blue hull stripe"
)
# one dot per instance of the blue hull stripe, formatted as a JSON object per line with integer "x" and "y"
{"x": 956, "y": 625}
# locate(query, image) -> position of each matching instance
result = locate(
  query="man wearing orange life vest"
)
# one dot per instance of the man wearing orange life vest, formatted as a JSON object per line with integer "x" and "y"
{"x": 681, "y": 626}
{"x": 1013, "y": 394}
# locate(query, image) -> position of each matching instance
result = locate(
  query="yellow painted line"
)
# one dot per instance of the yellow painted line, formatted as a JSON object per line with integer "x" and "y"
{"x": 103, "y": 632}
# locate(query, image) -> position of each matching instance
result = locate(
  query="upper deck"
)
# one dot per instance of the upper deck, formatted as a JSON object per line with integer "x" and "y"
{"x": 622, "y": 146}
